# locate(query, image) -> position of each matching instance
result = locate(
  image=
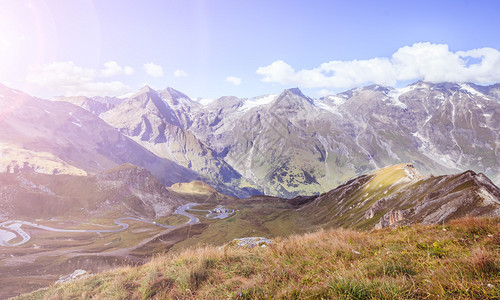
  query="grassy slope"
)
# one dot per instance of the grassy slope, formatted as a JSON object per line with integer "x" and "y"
{"x": 336, "y": 209}
{"x": 459, "y": 260}
{"x": 268, "y": 219}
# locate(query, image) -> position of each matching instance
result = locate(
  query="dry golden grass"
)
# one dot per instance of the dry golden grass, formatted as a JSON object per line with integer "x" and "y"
{"x": 456, "y": 261}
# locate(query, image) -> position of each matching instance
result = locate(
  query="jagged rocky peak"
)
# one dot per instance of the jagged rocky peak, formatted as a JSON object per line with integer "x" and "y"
{"x": 297, "y": 92}
{"x": 420, "y": 84}
{"x": 439, "y": 86}
{"x": 377, "y": 88}
{"x": 145, "y": 94}
{"x": 146, "y": 89}
{"x": 292, "y": 98}
{"x": 447, "y": 86}
{"x": 181, "y": 104}
{"x": 363, "y": 100}
{"x": 224, "y": 103}
{"x": 483, "y": 89}
{"x": 175, "y": 93}
{"x": 96, "y": 105}
{"x": 148, "y": 98}
{"x": 174, "y": 97}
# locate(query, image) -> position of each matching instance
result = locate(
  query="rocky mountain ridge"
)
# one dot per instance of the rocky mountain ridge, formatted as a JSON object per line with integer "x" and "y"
{"x": 400, "y": 195}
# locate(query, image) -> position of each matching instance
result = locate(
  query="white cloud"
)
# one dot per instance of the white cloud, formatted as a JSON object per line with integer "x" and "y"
{"x": 430, "y": 62}
{"x": 69, "y": 79}
{"x": 180, "y": 73}
{"x": 128, "y": 71}
{"x": 111, "y": 68}
{"x": 336, "y": 74}
{"x": 99, "y": 88}
{"x": 153, "y": 69}
{"x": 279, "y": 71}
{"x": 204, "y": 101}
{"x": 233, "y": 80}
{"x": 324, "y": 92}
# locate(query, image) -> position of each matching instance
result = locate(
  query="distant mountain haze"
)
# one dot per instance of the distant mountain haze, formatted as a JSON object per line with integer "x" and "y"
{"x": 61, "y": 138}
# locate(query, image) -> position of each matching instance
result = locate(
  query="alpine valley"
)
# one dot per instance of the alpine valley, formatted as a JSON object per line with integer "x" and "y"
{"x": 89, "y": 184}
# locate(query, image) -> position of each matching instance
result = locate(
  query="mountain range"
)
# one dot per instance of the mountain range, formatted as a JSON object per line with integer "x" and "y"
{"x": 290, "y": 144}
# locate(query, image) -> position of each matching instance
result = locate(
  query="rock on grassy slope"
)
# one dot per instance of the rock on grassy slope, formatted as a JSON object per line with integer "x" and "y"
{"x": 452, "y": 261}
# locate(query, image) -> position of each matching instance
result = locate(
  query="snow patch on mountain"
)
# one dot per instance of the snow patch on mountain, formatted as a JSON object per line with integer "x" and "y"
{"x": 336, "y": 100}
{"x": 429, "y": 117}
{"x": 204, "y": 101}
{"x": 393, "y": 95}
{"x": 127, "y": 95}
{"x": 324, "y": 106}
{"x": 257, "y": 101}
{"x": 425, "y": 142}
{"x": 470, "y": 90}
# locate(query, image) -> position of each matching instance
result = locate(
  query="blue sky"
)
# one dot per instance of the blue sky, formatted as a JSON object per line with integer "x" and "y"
{"x": 243, "y": 48}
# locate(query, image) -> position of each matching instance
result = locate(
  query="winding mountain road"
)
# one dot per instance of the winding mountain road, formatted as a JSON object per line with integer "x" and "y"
{"x": 181, "y": 210}
{"x": 15, "y": 226}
